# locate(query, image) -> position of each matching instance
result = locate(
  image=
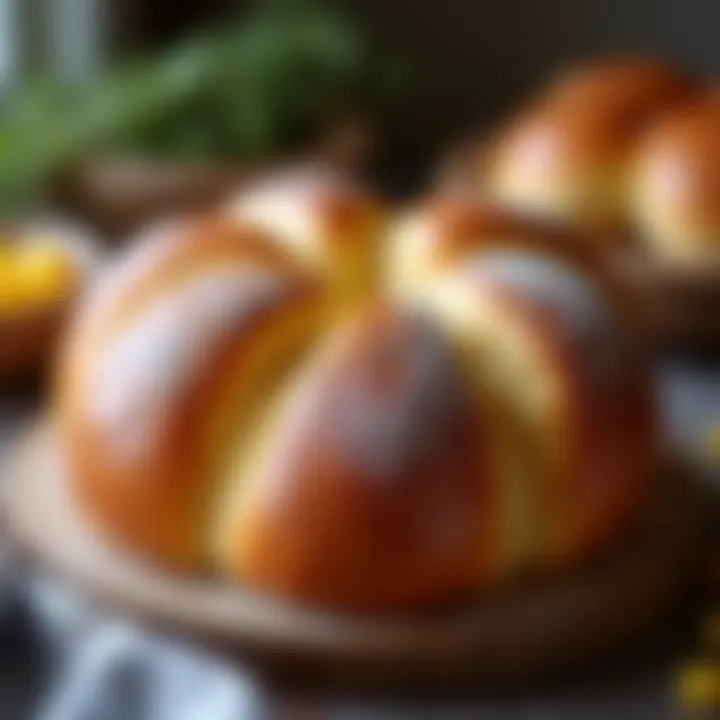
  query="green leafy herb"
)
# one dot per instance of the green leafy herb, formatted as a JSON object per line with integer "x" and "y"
{"x": 254, "y": 89}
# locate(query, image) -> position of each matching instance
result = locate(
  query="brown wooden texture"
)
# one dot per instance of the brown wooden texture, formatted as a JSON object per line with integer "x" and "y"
{"x": 521, "y": 632}
{"x": 680, "y": 307}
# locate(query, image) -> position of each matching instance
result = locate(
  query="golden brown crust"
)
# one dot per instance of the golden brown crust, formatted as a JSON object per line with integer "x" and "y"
{"x": 676, "y": 196}
{"x": 592, "y": 355}
{"x": 607, "y": 432}
{"x": 374, "y": 492}
{"x": 140, "y": 366}
{"x": 204, "y": 426}
{"x": 643, "y": 85}
{"x": 443, "y": 232}
{"x": 322, "y": 219}
{"x": 566, "y": 156}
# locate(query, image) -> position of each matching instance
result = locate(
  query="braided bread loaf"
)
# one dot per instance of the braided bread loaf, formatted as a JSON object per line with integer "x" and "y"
{"x": 241, "y": 394}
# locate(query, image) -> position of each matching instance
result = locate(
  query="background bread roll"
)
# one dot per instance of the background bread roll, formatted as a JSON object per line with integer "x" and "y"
{"x": 568, "y": 156}
{"x": 676, "y": 189}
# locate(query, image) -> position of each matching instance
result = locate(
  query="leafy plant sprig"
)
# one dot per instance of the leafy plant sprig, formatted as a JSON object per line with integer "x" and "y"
{"x": 253, "y": 89}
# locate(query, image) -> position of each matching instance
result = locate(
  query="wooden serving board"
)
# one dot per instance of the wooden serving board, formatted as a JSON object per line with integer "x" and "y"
{"x": 516, "y": 634}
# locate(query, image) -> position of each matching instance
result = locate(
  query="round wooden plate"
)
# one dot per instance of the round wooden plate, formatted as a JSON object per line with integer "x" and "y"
{"x": 515, "y": 634}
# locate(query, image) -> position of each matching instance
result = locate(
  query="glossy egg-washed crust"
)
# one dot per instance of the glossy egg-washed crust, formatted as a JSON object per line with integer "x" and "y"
{"x": 676, "y": 188}
{"x": 613, "y": 422}
{"x": 567, "y": 156}
{"x": 217, "y": 411}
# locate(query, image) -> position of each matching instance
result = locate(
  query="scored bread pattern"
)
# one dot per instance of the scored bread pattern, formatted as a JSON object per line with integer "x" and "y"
{"x": 154, "y": 361}
{"x": 225, "y": 403}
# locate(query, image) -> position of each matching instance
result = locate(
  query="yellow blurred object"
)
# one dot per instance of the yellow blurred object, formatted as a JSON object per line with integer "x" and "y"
{"x": 712, "y": 444}
{"x": 35, "y": 276}
{"x": 699, "y": 685}
{"x": 711, "y": 632}
{"x": 8, "y": 282}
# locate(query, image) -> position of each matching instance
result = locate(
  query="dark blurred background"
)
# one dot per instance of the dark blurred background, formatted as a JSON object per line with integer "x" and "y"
{"x": 478, "y": 58}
